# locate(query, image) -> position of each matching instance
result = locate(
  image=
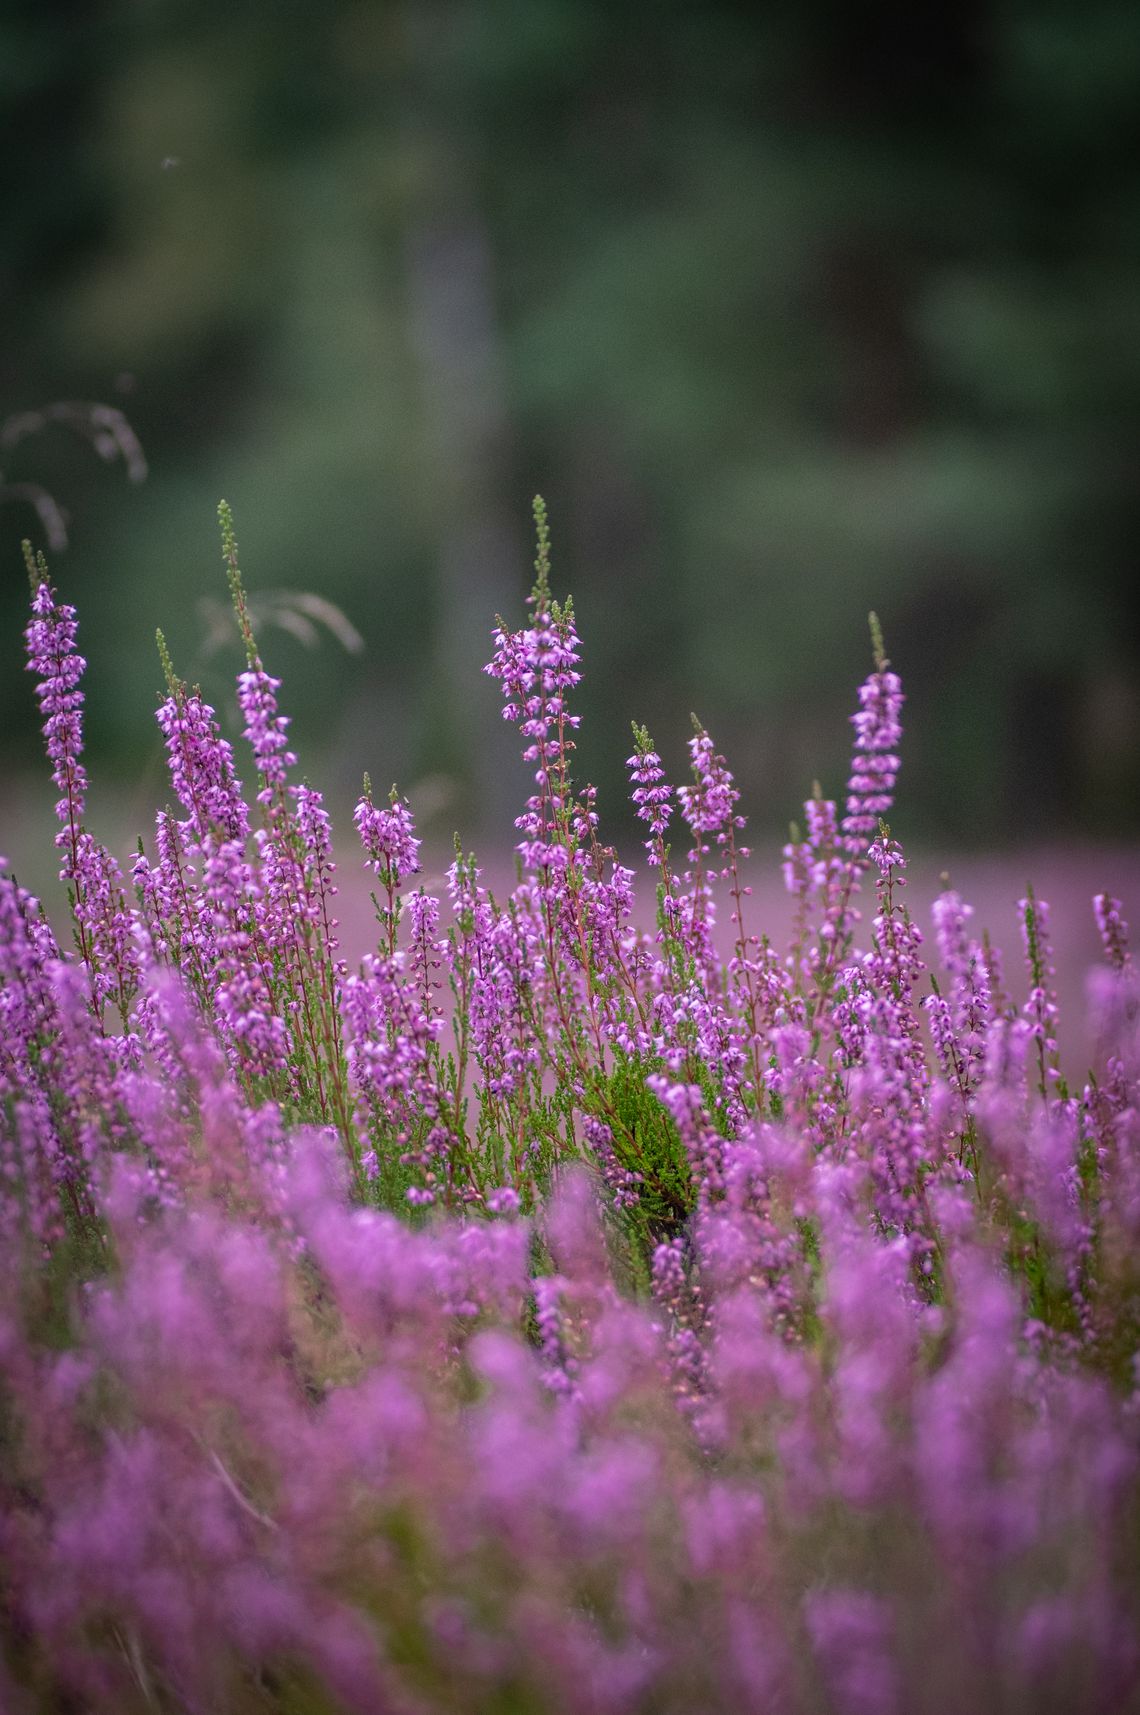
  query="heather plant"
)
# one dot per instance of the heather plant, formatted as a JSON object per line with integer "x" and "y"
{"x": 552, "y": 1313}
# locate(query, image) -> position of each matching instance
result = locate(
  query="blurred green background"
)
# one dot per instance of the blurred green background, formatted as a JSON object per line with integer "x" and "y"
{"x": 789, "y": 310}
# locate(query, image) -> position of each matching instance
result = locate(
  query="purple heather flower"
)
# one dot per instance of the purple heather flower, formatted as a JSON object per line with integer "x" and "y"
{"x": 875, "y": 764}
{"x": 814, "y": 868}
{"x": 265, "y": 730}
{"x": 202, "y": 769}
{"x": 709, "y": 804}
{"x": 318, "y": 887}
{"x": 387, "y": 833}
{"x": 652, "y": 793}
{"x": 243, "y": 998}
{"x": 52, "y": 656}
{"x": 101, "y": 908}
{"x": 536, "y": 668}
{"x": 622, "y": 1182}
{"x": 1113, "y": 930}
{"x": 559, "y": 1363}
{"x": 963, "y": 1017}
{"x": 1041, "y": 1005}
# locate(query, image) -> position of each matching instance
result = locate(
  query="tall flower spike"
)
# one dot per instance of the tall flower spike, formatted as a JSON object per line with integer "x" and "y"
{"x": 201, "y": 762}
{"x": 709, "y": 804}
{"x": 58, "y": 666}
{"x": 536, "y": 668}
{"x": 101, "y": 920}
{"x": 1040, "y": 1008}
{"x": 391, "y": 849}
{"x": 265, "y": 731}
{"x": 387, "y": 834}
{"x": 651, "y": 791}
{"x": 1113, "y": 930}
{"x": 320, "y": 866}
{"x": 875, "y": 764}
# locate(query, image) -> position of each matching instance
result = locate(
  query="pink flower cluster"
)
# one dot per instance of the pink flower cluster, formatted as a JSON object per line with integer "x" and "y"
{"x": 552, "y": 1315}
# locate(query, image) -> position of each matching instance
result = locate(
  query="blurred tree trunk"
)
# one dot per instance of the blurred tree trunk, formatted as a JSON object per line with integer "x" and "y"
{"x": 482, "y": 560}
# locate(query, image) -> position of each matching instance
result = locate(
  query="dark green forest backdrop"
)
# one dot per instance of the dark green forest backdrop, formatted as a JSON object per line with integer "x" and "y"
{"x": 790, "y": 310}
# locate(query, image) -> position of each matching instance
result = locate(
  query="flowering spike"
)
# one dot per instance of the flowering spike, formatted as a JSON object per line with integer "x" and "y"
{"x": 536, "y": 667}
{"x": 59, "y": 669}
{"x": 1040, "y": 1009}
{"x": 387, "y": 836}
{"x": 652, "y": 791}
{"x": 875, "y": 764}
{"x": 1113, "y": 930}
{"x": 709, "y": 804}
{"x": 201, "y": 765}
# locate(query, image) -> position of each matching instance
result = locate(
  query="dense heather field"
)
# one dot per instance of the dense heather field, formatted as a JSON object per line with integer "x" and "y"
{"x": 551, "y": 1314}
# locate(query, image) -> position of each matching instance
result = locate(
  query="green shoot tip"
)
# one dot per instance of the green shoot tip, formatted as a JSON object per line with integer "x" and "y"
{"x": 541, "y": 591}
{"x": 174, "y": 685}
{"x": 36, "y": 565}
{"x": 878, "y": 650}
{"x": 233, "y": 578}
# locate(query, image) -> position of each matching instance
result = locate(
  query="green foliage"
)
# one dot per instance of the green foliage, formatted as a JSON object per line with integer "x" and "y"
{"x": 646, "y": 1142}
